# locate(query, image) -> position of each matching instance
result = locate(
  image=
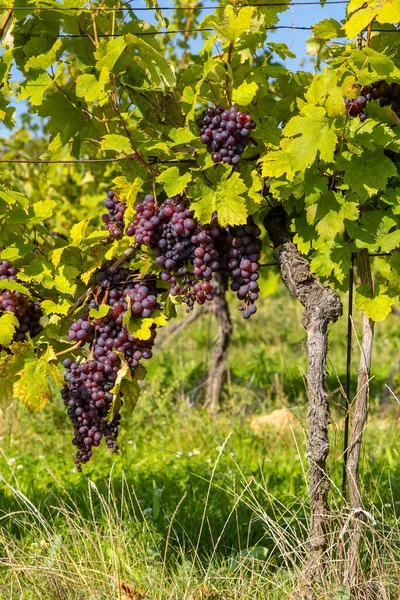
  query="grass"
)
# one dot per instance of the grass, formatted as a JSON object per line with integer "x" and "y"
{"x": 193, "y": 509}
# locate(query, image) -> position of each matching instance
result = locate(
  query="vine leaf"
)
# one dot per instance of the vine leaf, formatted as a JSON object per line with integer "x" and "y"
{"x": 376, "y": 305}
{"x": 8, "y": 325}
{"x": 174, "y": 184}
{"x": 141, "y": 328}
{"x": 245, "y": 93}
{"x": 227, "y": 199}
{"x": 33, "y": 387}
{"x": 101, "y": 312}
{"x": 116, "y": 142}
{"x": 126, "y": 385}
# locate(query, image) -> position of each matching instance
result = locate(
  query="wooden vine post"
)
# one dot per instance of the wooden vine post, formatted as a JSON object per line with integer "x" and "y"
{"x": 215, "y": 377}
{"x": 359, "y": 419}
{"x": 322, "y": 307}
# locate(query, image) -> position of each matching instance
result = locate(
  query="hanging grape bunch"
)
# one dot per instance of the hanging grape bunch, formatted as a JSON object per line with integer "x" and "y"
{"x": 243, "y": 264}
{"x": 387, "y": 94}
{"x": 27, "y": 312}
{"x": 88, "y": 383}
{"x": 225, "y": 132}
{"x": 189, "y": 252}
{"x": 184, "y": 249}
{"x": 114, "y": 220}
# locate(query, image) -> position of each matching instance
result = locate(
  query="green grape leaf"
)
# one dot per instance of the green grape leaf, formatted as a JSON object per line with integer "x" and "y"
{"x": 108, "y": 52}
{"x": 311, "y": 134}
{"x": 63, "y": 283}
{"x": 328, "y": 29}
{"x": 49, "y": 307}
{"x": 42, "y": 62}
{"x": 332, "y": 259}
{"x": 34, "y": 88}
{"x": 174, "y": 184}
{"x": 376, "y": 305}
{"x": 77, "y": 234}
{"x": 116, "y": 142}
{"x": 15, "y": 286}
{"x": 42, "y": 210}
{"x": 389, "y": 12}
{"x": 158, "y": 68}
{"x": 360, "y": 20}
{"x": 91, "y": 88}
{"x": 8, "y": 325}
{"x": 140, "y": 327}
{"x": 245, "y": 93}
{"x": 233, "y": 23}
{"x": 227, "y": 199}
{"x": 366, "y": 173}
{"x": 131, "y": 389}
{"x": 101, "y": 312}
{"x": 181, "y": 136}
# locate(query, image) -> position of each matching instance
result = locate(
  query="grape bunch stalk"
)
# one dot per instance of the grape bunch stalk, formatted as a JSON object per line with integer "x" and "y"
{"x": 27, "y": 311}
{"x": 388, "y": 94}
{"x": 89, "y": 382}
{"x": 225, "y": 132}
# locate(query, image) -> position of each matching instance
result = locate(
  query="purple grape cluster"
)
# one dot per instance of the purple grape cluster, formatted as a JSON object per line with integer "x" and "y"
{"x": 179, "y": 241}
{"x": 7, "y": 271}
{"x": 87, "y": 392}
{"x": 189, "y": 252}
{"x": 114, "y": 220}
{"x": 109, "y": 275}
{"x": 27, "y": 312}
{"x": 387, "y": 94}
{"x": 243, "y": 256}
{"x": 225, "y": 132}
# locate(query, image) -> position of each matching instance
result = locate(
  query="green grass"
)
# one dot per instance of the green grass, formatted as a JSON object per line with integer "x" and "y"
{"x": 192, "y": 507}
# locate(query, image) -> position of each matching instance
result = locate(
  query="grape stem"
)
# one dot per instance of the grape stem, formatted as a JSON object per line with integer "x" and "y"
{"x": 227, "y": 78}
{"x": 74, "y": 347}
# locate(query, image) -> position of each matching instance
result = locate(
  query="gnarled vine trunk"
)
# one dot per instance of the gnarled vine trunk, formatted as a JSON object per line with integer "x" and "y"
{"x": 322, "y": 306}
{"x": 215, "y": 377}
{"x": 359, "y": 419}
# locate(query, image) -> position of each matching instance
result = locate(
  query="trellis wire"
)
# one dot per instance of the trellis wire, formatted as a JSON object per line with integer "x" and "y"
{"x": 173, "y": 31}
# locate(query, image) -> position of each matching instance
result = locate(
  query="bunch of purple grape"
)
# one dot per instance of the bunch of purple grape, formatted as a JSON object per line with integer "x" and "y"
{"x": 190, "y": 252}
{"x": 114, "y": 220}
{"x": 243, "y": 251}
{"x": 388, "y": 94}
{"x": 87, "y": 392}
{"x": 179, "y": 241}
{"x": 27, "y": 312}
{"x": 225, "y": 132}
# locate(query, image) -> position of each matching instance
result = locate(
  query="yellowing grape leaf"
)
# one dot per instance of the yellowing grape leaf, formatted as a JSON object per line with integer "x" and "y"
{"x": 33, "y": 387}
{"x": 101, "y": 312}
{"x": 227, "y": 199}
{"x": 8, "y": 324}
{"x": 245, "y": 93}
{"x": 376, "y": 305}
{"x": 116, "y": 142}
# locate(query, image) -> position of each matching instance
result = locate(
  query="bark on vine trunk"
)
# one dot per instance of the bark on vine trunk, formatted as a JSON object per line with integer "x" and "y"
{"x": 215, "y": 377}
{"x": 359, "y": 419}
{"x": 322, "y": 306}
